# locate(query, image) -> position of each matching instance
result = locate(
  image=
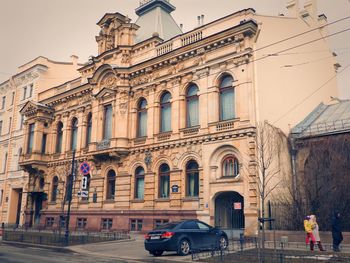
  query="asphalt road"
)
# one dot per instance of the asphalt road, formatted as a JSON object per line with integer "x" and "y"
{"x": 23, "y": 254}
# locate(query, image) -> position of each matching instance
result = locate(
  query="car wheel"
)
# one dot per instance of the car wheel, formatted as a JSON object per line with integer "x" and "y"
{"x": 184, "y": 247}
{"x": 157, "y": 253}
{"x": 223, "y": 243}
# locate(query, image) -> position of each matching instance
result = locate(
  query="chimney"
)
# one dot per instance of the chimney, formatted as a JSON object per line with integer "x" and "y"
{"x": 293, "y": 8}
{"x": 202, "y": 19}
{"x": 199, "y": 20}
{"x": 311, "y": 7}
{"x": 74, "y": 59}
{"x": 182, "y": 27}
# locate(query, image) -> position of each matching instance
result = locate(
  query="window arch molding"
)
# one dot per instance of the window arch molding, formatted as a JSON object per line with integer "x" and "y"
{"x": 227, "y": 105}
{"x": 139, "y": 176}
{"x": 230, "y": 166}
{"x": 218, "y": 78}
{"x": 111, "y": 177}
{"x": 59, "y": 137}
{"x": 219, "y": 155}
{"x": 165, "y": 111}
{"x": 142, "y": 117}
{"x": 192, "y": 105}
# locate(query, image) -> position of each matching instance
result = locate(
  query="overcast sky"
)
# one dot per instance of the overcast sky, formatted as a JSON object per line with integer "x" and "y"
{"x": 57, "y": 29}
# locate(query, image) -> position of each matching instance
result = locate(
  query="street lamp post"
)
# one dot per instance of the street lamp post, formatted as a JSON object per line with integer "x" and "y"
{"x": 69, "y": 198}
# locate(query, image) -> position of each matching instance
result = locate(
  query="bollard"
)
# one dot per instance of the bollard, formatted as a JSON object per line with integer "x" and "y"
{"x": 241, "y": 240}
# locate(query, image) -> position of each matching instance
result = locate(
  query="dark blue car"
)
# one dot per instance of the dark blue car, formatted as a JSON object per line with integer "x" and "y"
{"x": 184, "y": 237}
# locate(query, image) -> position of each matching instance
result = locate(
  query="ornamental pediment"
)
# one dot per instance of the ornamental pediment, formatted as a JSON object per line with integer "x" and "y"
{"x": 105, "y": 93}
{"x": 31, "y": 108}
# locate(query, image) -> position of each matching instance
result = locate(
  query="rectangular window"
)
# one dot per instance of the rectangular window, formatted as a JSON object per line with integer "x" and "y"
{"x": 30, "y": 138}
{"x": 12, "y": 98}
{"x": 107, "y": 129}
{"x": 10, "y": 123}
{"x": 81, "y": 223}
{"x": 43, "y": 145}
{"x": 30, "y": 91}
{"x": 136, "y": 225}
{"x": 24, "y": 93}
{"x": 158, "y": 222}
{"x": 3, "y": 102}
{"x": 106, "y": 223}
{"x": 21, "y": 122}
{"x": 49, "y": 221}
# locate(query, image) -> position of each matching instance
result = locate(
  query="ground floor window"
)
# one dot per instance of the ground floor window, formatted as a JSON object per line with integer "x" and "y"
{"x": 81, "y": 223}
{"x": 49, "y": 221}
{"x": 107, "y": 223}
{"x": 136, "y": 225}
{"x": 158, "y": 222}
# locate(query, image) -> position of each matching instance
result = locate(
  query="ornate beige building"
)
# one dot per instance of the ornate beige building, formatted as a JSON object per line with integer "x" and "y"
{"x": 166, "y": 120}
{"x": 31, "y": 79}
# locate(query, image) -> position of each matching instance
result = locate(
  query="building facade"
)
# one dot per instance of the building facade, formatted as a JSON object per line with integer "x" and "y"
{"x": 31, "y": 79}
{"x": 166, "y": 122}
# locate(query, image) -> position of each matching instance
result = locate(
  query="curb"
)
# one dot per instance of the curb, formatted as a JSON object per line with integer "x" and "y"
{"x": 55, "y": 248}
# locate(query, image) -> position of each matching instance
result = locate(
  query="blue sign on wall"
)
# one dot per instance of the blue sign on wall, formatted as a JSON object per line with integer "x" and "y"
{"x": 175, "y": 188}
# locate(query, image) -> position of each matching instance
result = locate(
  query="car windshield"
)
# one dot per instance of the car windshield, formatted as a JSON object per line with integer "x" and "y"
{"x": 167, "y": 226}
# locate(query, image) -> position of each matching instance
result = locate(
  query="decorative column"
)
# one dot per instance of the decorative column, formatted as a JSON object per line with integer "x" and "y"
{"x": 65, "y": 131}
{"x": 81, "y": 129}
{"x": 175, "y": 106}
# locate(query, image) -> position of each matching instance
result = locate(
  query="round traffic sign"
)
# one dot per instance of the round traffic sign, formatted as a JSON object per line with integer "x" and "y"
{"x": 85, "y": 168}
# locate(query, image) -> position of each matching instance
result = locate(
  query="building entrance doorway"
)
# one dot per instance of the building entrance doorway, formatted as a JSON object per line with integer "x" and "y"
{"x": 229, "y": 213}
{"x": 15, "y": 206}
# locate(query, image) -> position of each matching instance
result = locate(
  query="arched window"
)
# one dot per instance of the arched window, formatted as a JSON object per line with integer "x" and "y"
{"x": 192, "y": 179}
{"x": 88, "y": 129}
{"x": 54, "y": 189}
{"x": 192, "y": 118}
{"x": 227, "y": 99}
{"x": 139, "y": 182}
{"x": 107, "y": 127}
{"x": 230, "y": 166}
{"x": 87, "y": 188}
{"x": 59, "y": 137}
{"x": 165, "y": 112}
{"x": 74, "y": 134}
{"x": 110, "y": 185}
{"x": 164, "y": 181}
{"x": 142, "y": 118}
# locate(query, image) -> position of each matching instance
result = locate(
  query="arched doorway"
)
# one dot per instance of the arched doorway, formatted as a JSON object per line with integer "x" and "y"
{"x": 229, "y": 211}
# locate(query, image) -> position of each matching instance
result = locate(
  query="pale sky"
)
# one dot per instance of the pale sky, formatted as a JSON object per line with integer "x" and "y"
{"x": 57, "y": 29}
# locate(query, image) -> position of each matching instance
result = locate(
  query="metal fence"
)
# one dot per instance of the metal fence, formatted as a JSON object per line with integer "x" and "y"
{"x": 248, "y": 250}
{"x": 56, "y": 238}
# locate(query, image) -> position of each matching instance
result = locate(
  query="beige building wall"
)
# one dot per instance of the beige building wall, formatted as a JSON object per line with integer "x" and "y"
{"x": 32, "y": 78}
{"x": 124, "y": 73}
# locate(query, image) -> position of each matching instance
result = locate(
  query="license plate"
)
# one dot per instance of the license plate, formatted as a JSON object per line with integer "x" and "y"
{"x": 155, "y": 237}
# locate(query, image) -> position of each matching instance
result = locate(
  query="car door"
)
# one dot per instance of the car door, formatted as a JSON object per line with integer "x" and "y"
{"x": 190, "y": 230}
{"x": 207, "y": 235}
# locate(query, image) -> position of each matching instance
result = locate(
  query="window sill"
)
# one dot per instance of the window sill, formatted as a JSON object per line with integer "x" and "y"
{"x": 137, "y": 201}
{"x": 163, "y": 199}
{"x": 109, "y": 201}
{"x": 52, "y": 203}
{"x": 190, "y": 199}
{"x": 84, "y": 202}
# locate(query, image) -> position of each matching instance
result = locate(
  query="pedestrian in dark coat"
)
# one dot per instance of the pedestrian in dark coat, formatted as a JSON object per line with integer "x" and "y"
{"x": 336, "y": 231}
